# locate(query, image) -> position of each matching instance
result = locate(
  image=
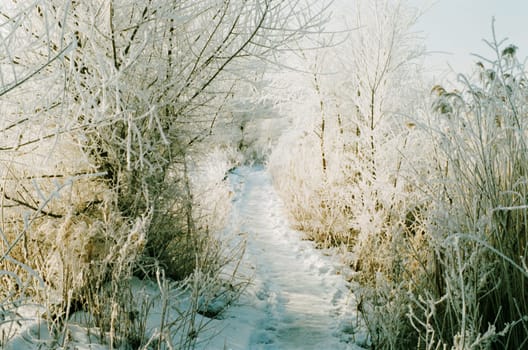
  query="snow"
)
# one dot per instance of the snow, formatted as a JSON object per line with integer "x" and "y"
{"x": 296, "y": 299}
{"x": 297, "y": 296}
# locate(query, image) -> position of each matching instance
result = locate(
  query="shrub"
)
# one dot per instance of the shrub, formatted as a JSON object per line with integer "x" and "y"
{"x": 107, "y": 110}
{"x": 467, "y": 276}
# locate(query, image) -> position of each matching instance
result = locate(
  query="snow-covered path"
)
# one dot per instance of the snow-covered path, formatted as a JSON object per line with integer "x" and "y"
{"x": 296, "y": 300}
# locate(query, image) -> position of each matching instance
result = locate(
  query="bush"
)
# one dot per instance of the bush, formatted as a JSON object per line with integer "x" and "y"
{"x": 108, "y": 107}
{"x": 463, "y": 262}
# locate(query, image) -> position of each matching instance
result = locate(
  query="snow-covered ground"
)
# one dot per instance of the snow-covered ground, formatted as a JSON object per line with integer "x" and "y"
{"x": 296, "y": 299}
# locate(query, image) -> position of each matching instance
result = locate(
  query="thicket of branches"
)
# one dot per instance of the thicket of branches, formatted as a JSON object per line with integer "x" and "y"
{"x": 106, "y": 107}
{"x": 352, "y": 125}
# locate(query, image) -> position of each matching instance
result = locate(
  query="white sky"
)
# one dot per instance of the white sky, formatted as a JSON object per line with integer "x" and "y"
{"x": 457, "y": 27}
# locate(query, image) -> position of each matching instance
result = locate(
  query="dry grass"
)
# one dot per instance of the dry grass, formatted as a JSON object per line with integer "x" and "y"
{"x": 457, "y": 264}
{"x": 84, "y": 256}
{"x": 478, "y": 225}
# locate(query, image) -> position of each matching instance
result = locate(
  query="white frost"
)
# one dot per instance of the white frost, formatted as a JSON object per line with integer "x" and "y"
{"x": 296, "y": 299}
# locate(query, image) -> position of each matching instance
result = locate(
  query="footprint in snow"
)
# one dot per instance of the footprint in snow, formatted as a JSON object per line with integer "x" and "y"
{"x": 298, "y": 303}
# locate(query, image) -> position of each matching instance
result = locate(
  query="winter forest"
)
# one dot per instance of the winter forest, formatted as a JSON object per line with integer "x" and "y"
{"x": 256, "y": 174}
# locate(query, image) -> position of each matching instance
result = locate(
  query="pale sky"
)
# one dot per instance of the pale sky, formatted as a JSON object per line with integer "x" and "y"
{"x": 457, "y": 28}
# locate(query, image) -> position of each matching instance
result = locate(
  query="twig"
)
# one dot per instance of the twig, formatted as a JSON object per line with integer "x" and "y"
{"x": 15, "y": 84}
{"x": 27, "y": 205}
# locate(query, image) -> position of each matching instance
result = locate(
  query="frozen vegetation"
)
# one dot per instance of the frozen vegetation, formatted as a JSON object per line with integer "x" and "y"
{"x": 265, "y": 174}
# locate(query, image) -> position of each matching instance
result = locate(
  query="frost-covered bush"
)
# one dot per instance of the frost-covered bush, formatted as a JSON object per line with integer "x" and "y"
{"x": 459, "y": 263}
{"x": 311, "y": 195}
{"x": 108, "y": 108}
{"x": 345, "y": 150}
